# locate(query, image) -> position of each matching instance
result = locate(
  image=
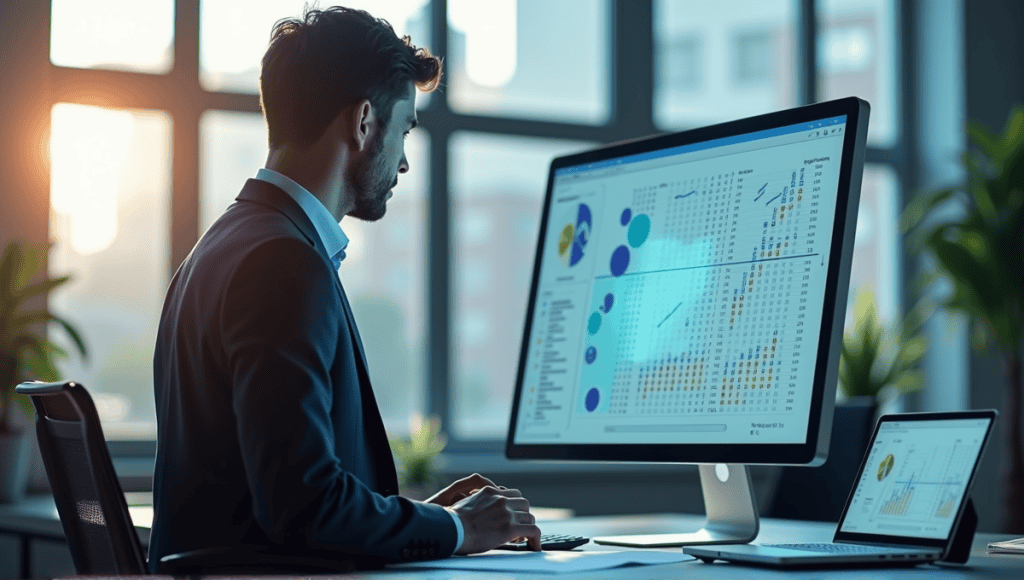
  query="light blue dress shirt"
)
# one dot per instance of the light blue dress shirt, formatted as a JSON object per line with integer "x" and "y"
{"x": 335, "y": 241}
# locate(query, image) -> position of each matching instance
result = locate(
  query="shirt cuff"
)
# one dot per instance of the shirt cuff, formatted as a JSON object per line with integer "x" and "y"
{"x": 458, "y": 529}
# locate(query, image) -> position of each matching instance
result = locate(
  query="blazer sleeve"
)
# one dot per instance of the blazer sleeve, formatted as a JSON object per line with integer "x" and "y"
{"x": 280, "y": 327}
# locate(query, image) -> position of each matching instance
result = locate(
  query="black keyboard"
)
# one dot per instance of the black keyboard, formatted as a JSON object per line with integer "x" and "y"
{"x": 837, "y": 548}
{"x": 549, "y": 542}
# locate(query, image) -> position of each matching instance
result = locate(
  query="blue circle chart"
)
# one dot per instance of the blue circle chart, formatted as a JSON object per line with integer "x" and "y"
{"x": 592, "y": 400}
{"x": 591, "y": 355}
{"x": 574, "y": 235}
{"x": 594, "y": 324}
{"x": 620, "y": 260}
{"x": 627, "y": 214}
{"x": 639, "y": 229}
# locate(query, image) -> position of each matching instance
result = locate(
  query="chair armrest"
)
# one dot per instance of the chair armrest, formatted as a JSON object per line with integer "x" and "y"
{"x": 253, "y": 560}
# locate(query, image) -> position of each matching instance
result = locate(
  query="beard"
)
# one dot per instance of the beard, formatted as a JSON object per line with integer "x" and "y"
{"x": 371, "y": 181}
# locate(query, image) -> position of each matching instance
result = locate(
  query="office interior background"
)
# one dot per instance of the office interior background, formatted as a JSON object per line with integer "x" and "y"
{"x": 128, "y": 126}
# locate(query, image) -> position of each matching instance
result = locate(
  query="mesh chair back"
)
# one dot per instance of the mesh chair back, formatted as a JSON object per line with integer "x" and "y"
{"x": 89, "y": 498}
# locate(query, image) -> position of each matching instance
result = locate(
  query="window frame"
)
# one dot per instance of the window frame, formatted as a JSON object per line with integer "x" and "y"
{"x": 631, "y": 101}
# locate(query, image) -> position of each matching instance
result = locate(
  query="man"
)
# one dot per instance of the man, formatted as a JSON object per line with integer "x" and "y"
{"x": 268, "y": 430}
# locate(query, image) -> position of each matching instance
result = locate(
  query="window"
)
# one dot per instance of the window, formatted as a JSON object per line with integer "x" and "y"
{"x": 113, "y": 35}
{"x": 439, "y": 285}
{"x": 109, "y": 218}
{"x": 857, "y": 56}
{"x": 876, "y": 256}
{"x": 751, "y": 58}
{"x": 679, "y": 67}
{"x": 529, "y": 58}
{"x": 234, "y": 35}
{"x": 745, "y": 57}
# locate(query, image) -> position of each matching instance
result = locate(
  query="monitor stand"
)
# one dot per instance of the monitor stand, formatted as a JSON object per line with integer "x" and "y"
{"x": 730, "y": 507}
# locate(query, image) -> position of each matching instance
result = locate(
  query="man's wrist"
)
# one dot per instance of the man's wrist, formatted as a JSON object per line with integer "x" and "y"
{"x": 460, "y": 533}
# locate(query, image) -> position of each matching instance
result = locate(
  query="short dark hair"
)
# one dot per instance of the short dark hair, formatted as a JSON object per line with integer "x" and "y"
{"x": 331, "y": 58}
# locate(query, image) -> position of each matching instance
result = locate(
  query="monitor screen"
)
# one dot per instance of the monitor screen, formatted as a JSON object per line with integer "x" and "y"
{"x": 686, "y": 287}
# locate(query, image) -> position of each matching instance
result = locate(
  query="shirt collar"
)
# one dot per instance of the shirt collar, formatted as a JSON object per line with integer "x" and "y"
{"x": 334, "y": 239}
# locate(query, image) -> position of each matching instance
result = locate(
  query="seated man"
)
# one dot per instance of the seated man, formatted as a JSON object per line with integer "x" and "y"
{"x": 268, "y": 430}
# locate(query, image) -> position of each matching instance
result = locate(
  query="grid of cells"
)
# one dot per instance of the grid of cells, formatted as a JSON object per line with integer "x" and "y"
{"x": 722, "y": 347}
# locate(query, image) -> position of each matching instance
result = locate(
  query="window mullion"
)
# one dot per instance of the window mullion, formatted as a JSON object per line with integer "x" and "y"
{"x": 632, "y": 102}
{"x": 185, "y": 127}
{"x": 807, "y": 55}
{"x": 439, "y": 345}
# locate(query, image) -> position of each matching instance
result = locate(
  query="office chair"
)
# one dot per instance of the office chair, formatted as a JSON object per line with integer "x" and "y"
{"x": 819, "y": 493}
{"x": 94, "y": 512}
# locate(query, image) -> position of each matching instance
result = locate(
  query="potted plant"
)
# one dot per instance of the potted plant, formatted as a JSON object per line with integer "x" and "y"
{"x": 416, "y": 456}
{"x": 880, "y": 361}
{"x": 25, "y": 353}
{"x": 979, "y": 249}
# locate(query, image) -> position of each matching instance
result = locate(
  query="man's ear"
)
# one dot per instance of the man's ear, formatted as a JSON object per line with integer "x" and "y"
{"x": 363, "y": 121}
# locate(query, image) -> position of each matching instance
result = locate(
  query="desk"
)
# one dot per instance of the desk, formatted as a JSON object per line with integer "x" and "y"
{"x": 38, "y": 518}
{"x": 981, "y": 565}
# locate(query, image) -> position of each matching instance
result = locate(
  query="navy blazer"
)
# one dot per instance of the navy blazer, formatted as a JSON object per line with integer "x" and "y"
{"x": 268, "y": 432}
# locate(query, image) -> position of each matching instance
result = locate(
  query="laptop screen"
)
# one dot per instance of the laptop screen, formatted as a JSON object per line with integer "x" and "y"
{"x": 916, "y": 476}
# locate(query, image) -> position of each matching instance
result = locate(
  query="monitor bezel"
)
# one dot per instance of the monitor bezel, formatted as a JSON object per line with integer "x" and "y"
{"x": 917, "y": 541}
{"x": 814, "y": 449}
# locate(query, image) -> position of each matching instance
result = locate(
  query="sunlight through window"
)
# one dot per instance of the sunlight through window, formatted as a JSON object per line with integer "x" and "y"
{"x": 88, "y": 149}
{"x": 234, "y": 35}
{"x": 113, "y": 34}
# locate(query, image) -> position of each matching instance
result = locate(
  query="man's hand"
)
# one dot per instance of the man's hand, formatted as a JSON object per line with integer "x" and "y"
{"x": 460, "y": 490}
{"x": 492, "y": 516}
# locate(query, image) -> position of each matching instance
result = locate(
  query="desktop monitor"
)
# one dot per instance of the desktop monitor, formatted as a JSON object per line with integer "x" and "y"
{"x": 688, "y": 299}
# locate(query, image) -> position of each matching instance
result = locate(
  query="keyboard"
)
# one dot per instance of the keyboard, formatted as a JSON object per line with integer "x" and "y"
{"x": 549, "y": 542}
{"x": 837, "y": 548}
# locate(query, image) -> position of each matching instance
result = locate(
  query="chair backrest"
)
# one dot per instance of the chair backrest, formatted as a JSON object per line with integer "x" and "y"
{"x": 89, "y": 498}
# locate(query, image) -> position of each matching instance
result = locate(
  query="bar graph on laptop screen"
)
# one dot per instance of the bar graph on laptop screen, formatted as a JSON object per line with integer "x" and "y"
{"x": 679, "y": 298}
{"x": 915, "y": 478}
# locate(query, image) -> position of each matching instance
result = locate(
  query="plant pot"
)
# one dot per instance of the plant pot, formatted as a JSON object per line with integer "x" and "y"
{"x": 15, "y": 459}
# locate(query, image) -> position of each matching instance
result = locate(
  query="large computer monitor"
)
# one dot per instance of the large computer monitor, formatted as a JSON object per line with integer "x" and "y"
{"x": 687, "y": 305}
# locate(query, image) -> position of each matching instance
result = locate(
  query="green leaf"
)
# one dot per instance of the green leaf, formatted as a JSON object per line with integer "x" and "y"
{"x": 41, "y": 369}
{"x": 985, "y": 140}
{"x": 35, "y": 258}
{"x": 43, "y": 287}
{"x": 1013, "y": 131}
{"x": 30, "y": 343}
{"x": 76, "y": 338}
{"x": 978, "y": 275}
{"x": 979, "y": 339}
{"x": 922, "y": 205}
{"x": 26, "y": 405}
{"x": 983, "y": 201}
{"x": 10, "y": 267}
{"x": 910, "y": 382}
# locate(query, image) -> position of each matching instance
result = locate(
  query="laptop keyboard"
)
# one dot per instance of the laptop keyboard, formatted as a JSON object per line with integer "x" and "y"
{"x": 837, "y": 548}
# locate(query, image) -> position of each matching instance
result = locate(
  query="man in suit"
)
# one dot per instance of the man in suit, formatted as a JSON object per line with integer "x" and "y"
{"x": 268, "y": 430}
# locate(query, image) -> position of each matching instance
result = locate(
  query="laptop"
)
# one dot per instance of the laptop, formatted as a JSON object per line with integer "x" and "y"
{"x": 907, "y": 501}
